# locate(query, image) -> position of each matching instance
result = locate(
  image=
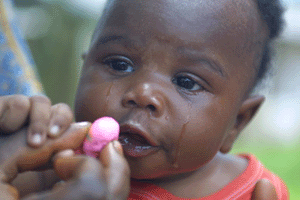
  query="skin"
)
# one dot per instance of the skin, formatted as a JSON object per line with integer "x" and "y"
{"x": 211, "y": 43}
{"x": 163, "y": 42}
{"x": 19, "y": 115}
{"x": 264, "y": 190}
{"x": 37, "y": 112}
{"x": 81, "y": 174}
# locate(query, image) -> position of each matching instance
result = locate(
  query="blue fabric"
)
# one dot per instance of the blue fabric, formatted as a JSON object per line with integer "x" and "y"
{"x": 17, "y": 68}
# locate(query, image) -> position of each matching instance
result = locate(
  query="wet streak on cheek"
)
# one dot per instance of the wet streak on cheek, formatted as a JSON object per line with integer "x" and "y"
{"x": 177, "y": 149}
{"x": 167, "y": 118}
{"x": 177, "y": 153}
{"x": 107, "y": 98}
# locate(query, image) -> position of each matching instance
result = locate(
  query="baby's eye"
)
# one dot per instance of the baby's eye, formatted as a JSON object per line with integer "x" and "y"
{"x": 119, "y": 64}
{"x": 187, "y": 83}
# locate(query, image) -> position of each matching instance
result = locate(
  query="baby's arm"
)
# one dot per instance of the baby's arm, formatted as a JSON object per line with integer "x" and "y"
{"x": 264, "y": 190}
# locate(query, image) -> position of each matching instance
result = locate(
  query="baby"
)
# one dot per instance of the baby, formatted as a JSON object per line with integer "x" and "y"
{"x": 178, "y": 77}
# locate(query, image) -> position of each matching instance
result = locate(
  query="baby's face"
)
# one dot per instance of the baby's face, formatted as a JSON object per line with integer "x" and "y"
{"x": 174, "y": 74}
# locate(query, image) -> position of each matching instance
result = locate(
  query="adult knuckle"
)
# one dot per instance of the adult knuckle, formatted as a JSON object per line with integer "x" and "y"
{"x": 92, "y": 188}
{"x": 63, "y": 106}
{"x": 88, "y": 195}
{"x": 41, "y": 99}
{"x": 12, "y": 191}
{"x": 63, "y": 110}
{"x": 38, "y": 126}
{"x": 20, "y": 103}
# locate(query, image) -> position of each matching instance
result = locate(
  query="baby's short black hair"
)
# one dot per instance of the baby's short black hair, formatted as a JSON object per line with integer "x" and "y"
{"x": 271, "y": 12}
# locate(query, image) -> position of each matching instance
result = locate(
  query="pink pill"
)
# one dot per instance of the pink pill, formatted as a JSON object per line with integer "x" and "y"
{"x": 102, "y": 131}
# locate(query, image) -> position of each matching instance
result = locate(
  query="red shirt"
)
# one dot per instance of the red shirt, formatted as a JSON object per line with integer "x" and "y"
{"x": 240, "y": 188}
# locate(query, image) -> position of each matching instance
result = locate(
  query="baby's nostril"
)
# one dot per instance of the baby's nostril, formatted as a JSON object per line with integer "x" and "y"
{"x": 151, "y": 107}
{"x": 131, "y": 102}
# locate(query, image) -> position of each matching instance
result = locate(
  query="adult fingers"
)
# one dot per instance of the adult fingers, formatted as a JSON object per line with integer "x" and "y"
{"x": 67, "y": 191}
{"x": 77, "y": 167}
{"x": 60, "y": 120}
{"x": 264, "y": 190}
{"x": 8, "y": 192}
{"x": 39, "y": 120}
{"x": 14, "y": 111}
{"x": 73, "y": 189}
{"x": 83, "y": 177}
{"x": 33, "y": 158}
{"x": 73, "y": 137}
{"x": 117, "y": 170}
{"x": 17, "y": 157}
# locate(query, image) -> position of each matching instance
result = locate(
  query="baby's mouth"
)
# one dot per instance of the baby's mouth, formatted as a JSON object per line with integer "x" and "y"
{"x": 134, "y": 139}
{"x": 135, "y": 145}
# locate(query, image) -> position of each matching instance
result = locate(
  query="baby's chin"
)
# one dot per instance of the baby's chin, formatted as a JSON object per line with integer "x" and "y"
{"x": 163, "y": 175}
{"x": 144, "y": 176}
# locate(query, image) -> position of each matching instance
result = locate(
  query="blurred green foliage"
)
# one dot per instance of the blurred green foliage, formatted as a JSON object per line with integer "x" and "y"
{"x": 282, "y": 160}
{"x": 58, "y": 53}
{"x": 58, "y": 59}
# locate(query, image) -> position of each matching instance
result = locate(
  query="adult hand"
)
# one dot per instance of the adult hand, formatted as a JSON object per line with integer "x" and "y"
{"x": 43, "y": 119}
{"x": 87, "y": 178}
{"x": 16, "y": 156}
{"x": 264, "y": 190}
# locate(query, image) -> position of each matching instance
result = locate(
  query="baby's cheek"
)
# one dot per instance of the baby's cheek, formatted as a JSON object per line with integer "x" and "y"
{"x": 198, "y": 148}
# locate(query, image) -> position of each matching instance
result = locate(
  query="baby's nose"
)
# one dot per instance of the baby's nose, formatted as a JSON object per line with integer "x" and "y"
{"x": 146, "y": 96}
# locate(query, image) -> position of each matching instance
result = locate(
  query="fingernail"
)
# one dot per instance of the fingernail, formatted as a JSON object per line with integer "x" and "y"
{"x": 54, "y": 130}
{"x": 66, "y": 153}
{"x": 118, "y": 147}
{"x": 37, "y": 139}
{"x": 63, "y": 154}
{"x": 3, "y": 177}
{"x": 83, "y": 124}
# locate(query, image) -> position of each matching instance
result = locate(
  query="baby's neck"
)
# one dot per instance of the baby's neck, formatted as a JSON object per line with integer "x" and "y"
{"x": 207, "y": 180}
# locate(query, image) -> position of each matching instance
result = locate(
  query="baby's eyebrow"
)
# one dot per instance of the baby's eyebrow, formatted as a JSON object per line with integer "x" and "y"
{"x": 112, "y": 38}
{"x": 127, "y": 42}
{"x": 200, "y": 57}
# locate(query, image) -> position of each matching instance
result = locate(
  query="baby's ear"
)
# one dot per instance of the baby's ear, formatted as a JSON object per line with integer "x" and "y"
{"x": 244, "y": 116}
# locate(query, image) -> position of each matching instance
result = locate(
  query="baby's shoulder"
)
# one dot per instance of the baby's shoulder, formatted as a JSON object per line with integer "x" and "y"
{"x": 257, "y": 178}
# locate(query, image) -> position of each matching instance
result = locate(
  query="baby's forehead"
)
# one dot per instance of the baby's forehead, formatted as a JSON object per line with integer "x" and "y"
{"x": 190, "y": 21}
{"x": 239, "y": 17}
